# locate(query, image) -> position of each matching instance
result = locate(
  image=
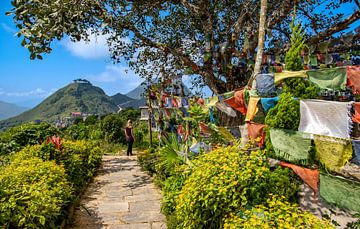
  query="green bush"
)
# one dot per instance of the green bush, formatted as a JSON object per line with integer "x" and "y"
{"x": 79, "y": 131}
{"x": 113, "y": 128}
{"x": 17, "y": 137}
{"x": 286, "y": 114}
{"x": 297, "y": 44}
{"x": 275, "y": 213}
{"x": 300, "y": 88}
{"x": 147, "y": 160}
{"x": 171, "y": 189}
{"x": 224, "y": 181}
{"x": 79, "y": 158}
{"x": 33, "y": 193}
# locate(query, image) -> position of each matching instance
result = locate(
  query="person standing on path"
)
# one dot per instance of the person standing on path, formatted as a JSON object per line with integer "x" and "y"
{"x": 129, "y": 134}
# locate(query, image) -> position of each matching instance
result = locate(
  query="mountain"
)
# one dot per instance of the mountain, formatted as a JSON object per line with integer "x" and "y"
{"x": 80, "y": 96}
{"x": 139, "y": 91}
{"x": 120, "y": 99}
{"x": 8, "y": 110}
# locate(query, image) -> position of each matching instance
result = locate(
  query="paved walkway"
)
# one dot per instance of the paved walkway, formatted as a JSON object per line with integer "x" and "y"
{"x": 121, "y": 197}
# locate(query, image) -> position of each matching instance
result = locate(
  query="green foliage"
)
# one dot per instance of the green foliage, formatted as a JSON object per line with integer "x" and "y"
{"x": 275, "y": 213}
{"x": 147, "y": 160}
{"x": 91, "y": 120}
{"x": 286, "y": 114}
{"x": 300, "y": 88}
{"x": 33, "y": 193}
{"x": 14, "y": 139}
{"x": 170, "y": 157}
{"x": 78, "y": 131}
{"x": 297, "y": 43}
{"x": 79, "y": 158}
{"x": 29, "y": 133}
{"x": 225, "y": 181}
{"x": 113, "y": 128}
{"x": 171, "y": 190}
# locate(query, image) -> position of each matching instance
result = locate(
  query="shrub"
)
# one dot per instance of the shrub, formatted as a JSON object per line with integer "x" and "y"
{"x": 33, "y": 193}
{"x": 171, "y": 189}
{"x": 297, "y": 43}
{"x": 79, "y": 131}
{"x": 286, "y": 114}
{"x": 300, "y": 88}
{"x": 113, "y": 128}
{"x": 225, "y": 181}
{"x": 79, "y": 158}
{"x": 275, "y": 213}
{"x": 27, "y": 134}
{"x": 147, "y": 161}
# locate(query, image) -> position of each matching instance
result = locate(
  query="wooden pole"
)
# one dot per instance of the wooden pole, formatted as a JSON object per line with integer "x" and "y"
{"x": 150, "y": 113}
{"x": 261, "y": 41}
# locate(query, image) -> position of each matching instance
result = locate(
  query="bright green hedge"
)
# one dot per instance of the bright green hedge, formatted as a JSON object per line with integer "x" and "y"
{"x": 226, "y": 180}
{"x": 275, "y": 213}
{"x": 33, "y": 193}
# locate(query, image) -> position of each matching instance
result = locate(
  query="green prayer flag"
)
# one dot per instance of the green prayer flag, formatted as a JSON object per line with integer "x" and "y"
{"x": 329, "y": 78}
{"x": 291, "y": 145}
{"x": 341, "y": 192}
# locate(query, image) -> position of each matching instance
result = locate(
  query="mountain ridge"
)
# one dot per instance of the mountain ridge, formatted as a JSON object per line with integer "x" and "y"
{"x": 76, "y": 97}
{"x": 8, "y": 110}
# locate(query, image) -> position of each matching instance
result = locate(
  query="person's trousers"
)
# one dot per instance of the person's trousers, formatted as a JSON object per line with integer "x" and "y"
{"x": 129, "y": 150}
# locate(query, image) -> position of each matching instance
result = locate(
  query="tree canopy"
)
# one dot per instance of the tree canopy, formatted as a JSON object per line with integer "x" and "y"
{"x": 215, "y": 39}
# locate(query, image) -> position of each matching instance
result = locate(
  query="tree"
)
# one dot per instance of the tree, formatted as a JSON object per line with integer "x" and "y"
{"x": 210, "y": 38}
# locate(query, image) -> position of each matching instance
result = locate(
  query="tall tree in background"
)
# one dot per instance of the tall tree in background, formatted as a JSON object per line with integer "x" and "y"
{"x": 214, "y": 39}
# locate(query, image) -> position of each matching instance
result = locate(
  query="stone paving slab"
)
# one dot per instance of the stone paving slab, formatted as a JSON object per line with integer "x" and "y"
{"x": 121, "y": 197}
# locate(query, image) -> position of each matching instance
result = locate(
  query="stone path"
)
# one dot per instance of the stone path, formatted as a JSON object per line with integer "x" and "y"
{"x": 121, "y": 197}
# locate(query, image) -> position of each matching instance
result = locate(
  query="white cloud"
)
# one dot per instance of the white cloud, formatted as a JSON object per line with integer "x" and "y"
{"x": 8, "y": 28}
{"x": 120, "y": 75}
{"x": 38, "y": 92}
{"x": 96, "y": 48}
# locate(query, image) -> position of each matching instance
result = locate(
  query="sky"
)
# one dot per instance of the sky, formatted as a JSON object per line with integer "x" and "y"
{"x": 27, "y": 82}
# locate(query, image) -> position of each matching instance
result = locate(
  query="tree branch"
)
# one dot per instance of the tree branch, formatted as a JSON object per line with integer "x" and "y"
{"x": 336, "y": 28}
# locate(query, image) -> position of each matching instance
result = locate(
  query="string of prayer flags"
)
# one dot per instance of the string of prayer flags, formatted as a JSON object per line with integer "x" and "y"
{"x": 211, "y": 102}
{"x": 226, "y": 109}
{"x": 342, "y": 192}
{"x": 356, "y": 152}
{"x": 356, "y": 116}
{"x": 265, "y": 84}
{"x": 309, "y": 176}
{"x": 268, "y": 103}
{"x": 289, "y": 74}
{"x": 204, "y": 129}
{"x": 353, "y": 78}
{"x": 291, "y": 145}
{"x": 332, "y": 152}
{"x": 329, "y": 78}
{"x": 256, "y": 131}
{"x": 174, "y": 102}
{"x": 327, "y": 118}
{"x": 237, "y": 102}
{"x": 184, "y": 103}
{"x": 252, "y": 108}
{"x": 211, "y": 113}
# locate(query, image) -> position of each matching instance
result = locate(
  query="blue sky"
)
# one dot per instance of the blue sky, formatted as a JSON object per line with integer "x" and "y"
{"x": 27, "y": 82}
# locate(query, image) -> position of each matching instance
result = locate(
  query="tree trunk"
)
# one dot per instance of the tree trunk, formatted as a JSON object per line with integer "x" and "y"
{"x": 261, "y": 41}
